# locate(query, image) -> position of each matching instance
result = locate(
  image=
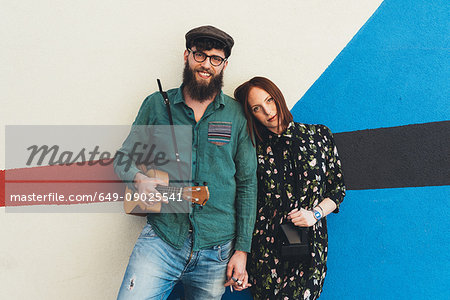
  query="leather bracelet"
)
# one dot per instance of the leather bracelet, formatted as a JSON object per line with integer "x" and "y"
{"x": 318, "y": 205}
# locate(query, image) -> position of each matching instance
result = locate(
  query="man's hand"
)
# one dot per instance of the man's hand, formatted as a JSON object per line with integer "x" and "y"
{"x": 146, "y": 189}
{"x": 236, "y": 274}
{"x": 302, "y": 217}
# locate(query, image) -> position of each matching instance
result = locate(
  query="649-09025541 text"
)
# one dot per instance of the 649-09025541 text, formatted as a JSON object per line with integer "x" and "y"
{"x": 96, "y": 197}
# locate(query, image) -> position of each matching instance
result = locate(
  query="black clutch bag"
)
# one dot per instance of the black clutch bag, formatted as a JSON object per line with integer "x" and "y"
{"x": 295, "y": 243}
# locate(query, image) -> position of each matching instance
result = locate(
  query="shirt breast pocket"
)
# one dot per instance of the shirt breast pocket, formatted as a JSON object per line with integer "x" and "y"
{"x": 219, "y": 133}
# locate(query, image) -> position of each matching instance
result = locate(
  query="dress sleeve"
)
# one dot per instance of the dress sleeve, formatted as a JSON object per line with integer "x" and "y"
{"x": 335, "y": 186}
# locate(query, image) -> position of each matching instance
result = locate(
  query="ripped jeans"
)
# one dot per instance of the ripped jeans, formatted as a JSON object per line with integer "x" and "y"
{"x": 155, "y": 267}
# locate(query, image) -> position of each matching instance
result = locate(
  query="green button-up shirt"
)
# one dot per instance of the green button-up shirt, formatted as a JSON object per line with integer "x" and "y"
{"x": 222, "y": 156}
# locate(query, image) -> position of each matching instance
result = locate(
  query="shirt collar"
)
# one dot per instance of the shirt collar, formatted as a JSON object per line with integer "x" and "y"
{"x": 179, "y": 96}
{"x": 287, "y": 133}
{"x": 219, "y": 100}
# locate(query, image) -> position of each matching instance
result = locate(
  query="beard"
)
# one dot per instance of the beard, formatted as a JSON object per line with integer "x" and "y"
{"x": 199, "y": 91}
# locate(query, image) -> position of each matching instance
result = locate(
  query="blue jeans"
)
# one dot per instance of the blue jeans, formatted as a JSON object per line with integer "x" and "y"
{"x": 155, "y": 267}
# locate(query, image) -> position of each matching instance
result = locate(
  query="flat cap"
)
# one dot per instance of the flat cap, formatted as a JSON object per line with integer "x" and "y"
{"x": 211, "y": 32}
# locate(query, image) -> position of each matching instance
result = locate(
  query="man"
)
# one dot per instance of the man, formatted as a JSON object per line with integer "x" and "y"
{"x": 196, "y": 247}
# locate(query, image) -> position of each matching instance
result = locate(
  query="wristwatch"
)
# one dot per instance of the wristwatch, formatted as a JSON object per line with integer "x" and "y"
{"x": 317, "y": 214}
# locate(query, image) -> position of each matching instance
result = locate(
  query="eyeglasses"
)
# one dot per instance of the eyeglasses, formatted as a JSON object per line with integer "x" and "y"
{"x": 201, "y": 57}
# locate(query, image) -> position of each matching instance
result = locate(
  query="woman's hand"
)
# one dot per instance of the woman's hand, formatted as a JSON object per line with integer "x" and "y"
{"x": 302, "y": 217}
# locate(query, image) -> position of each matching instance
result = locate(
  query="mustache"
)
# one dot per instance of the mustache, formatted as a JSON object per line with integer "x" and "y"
{"x": 202, "y": 69}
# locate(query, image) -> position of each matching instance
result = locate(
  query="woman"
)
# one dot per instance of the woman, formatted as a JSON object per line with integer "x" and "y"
{"x": 299, "y": 182}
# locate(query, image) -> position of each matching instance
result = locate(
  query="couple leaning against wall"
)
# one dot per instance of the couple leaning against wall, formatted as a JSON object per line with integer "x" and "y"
{"x": 266, "y": 182}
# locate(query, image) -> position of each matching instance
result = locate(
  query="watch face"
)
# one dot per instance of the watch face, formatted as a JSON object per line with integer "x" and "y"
{"x": 317, "y": 214}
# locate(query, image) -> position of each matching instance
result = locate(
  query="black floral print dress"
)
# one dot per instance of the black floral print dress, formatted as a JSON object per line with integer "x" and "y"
{"x": 298, "y": 168}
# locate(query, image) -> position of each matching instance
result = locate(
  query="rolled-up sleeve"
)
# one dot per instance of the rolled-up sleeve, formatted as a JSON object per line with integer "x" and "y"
{"x": 124, "y": 164}
{"x": 246, "y": 190}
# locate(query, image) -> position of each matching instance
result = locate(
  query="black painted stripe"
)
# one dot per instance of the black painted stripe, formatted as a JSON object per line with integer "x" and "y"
{"x": 405, "y": 156}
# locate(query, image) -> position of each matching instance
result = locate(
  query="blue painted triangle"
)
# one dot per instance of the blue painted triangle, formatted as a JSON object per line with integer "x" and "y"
{"x": 394, "y": 72}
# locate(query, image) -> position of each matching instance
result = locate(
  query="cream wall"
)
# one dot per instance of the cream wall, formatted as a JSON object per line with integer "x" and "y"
{"x": 93, "y": 62}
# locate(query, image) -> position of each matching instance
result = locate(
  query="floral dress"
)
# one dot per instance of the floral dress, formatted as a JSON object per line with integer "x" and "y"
{"x": 298, "y": 168}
